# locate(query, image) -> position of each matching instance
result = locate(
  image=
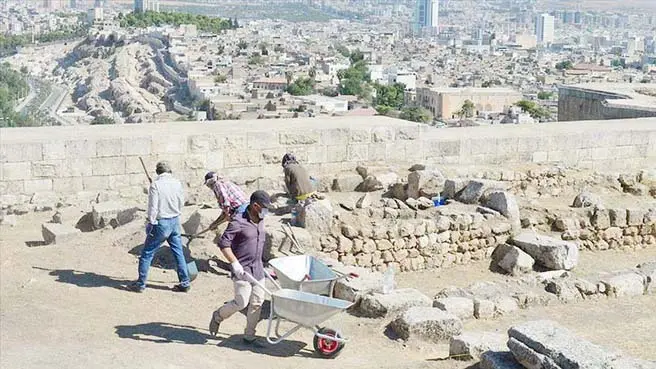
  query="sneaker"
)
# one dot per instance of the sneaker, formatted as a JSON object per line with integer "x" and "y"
{"x": 181, "y": 288}
{"x": 136, "y": 287}
{"x": 215, "y": 323}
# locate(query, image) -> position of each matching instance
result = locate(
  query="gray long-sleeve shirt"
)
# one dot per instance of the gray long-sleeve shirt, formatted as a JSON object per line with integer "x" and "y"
{"x": 165, "y": 198}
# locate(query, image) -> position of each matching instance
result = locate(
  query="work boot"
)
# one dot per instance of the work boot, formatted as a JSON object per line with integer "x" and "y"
{"x": 181, "y": 288}
{"x": 215, "y": 323}
{"x": 136, "y": 287}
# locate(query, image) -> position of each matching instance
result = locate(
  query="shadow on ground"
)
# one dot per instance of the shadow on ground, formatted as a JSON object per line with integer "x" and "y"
{"x": 92, "y": 280}
{"x": 159, "y": 332}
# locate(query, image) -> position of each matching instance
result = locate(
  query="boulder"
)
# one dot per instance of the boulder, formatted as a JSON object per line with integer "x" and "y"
{"x": 427, "y": 324}
{"x": 505, "y": 203}
{"x": 54, "y": 233}
{"x": 545, "y": 344}
{"x": 471, "y": 345}
{"x": 475, "y": 189}
{"x": 516, "y": 261}
{"x": 379, "y": 305}
{"x": 648, "y": 270}
{"x": 499, "y": 360}
{"x": 278, "y": 244}
{"x": 346, "y": 182}
{"x": 370, "y": 184}
{"x": 462, "y": 307}
{"x": 200, "y": 220}
{"x": 504, "y": 305}
{"x": 550, "y": 252}
{"x": 586, "y": 199}
{"x": 484, "y": 309}
{"x": 565, "y": 289}
{"x": 352, "y": 289}
{"x": 627, "y": 284}
{"x": 427, "y": 183}
{"x": 112, "y": 213}
{"x": 317, "y": 216}
{"x": 453, "y": 187}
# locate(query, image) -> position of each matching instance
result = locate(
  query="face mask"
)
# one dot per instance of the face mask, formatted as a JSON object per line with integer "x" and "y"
{"x": 263, "y": 213}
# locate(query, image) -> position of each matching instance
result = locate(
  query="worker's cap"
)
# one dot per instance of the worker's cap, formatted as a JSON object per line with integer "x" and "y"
{"x": 209, "y": 177}
{"x": 261, "y": 198}
{"x": 163, "y": 167}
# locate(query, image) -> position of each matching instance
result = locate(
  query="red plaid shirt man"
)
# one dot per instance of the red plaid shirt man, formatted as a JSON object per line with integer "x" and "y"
{"x": 229, "y": 196}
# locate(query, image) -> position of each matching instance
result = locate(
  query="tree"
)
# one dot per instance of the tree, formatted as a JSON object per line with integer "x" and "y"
{"x": 220, "y": 78}
{"x": 312, "y": 72}
{"x": 545, "y": 95}
{"x": 24, "y": 70}
{"x": 149, "y": 18}
{"x": 102, "y": 120}
{"x": 352, "y": 80}
{"x": 343, "y": 50}
{"x": 467, "y": 109}
{"x": 255, "y": 59}
{"x": 301, "y": 87}
{"x": 416, "y": 114}
{"x": 356, "y": 56}
{"x": 389, "y": 97}
{"x": 533, "y": 109}
{"x": 565, "y": 65}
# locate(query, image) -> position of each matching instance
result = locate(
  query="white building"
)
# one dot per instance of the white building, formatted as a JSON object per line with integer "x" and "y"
{"x": 96, "y": 15}
{"x": 544, "y": 29}
{"x": 634, "y": 46}
{"x": 325, "y": 103}
{"x": 408, "y": 78}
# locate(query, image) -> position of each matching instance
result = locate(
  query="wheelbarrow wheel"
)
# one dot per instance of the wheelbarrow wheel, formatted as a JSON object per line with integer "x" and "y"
{"x": 326, "y": 348}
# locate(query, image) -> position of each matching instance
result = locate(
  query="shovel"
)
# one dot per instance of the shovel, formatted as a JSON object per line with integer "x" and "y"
{"x": 192, "y": 268}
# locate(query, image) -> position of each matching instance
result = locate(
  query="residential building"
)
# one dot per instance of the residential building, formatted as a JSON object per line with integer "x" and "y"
{"x": 446, "y": 102}
{"x": 427, "y": 17}
{"x": 270, "y": 84}
{"x": 544, "y": 29}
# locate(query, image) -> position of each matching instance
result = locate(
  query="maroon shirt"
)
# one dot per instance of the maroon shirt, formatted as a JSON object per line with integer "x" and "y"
{"x": 246, "y": 239}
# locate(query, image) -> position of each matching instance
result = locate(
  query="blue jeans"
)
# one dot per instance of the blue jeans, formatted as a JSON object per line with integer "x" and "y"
{"x": 165, "y": 230}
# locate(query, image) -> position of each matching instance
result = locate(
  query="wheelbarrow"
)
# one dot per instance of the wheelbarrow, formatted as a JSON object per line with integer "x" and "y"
{"x": 306, "y": 310}
{"x": 307, "y": 274}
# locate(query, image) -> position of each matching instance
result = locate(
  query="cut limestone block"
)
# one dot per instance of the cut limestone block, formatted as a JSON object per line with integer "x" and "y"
{"x": 112, "y": 213}
{"x": 58, "y": 233}
{"x": 550, "y": 252}
{"x": 499, "y": 360}
{"x": 462, "y": 307}
{"x": 516, "y": 262}
{"x": 471, "y": 345}
{"x": 353, "y": 289}
{"x": 627, "y": 284}
{"x": 379, "y": 305}
{"x": 427, "y": 324}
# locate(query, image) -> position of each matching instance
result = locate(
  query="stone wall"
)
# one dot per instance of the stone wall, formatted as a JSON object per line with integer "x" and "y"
{"x": 392, "y": 234}
{"x": 87, "y": 160}
{"x": 575, "y": 103}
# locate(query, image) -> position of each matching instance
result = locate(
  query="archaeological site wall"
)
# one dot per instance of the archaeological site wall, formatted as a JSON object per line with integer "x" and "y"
{"x": 576, "y": 103}
{"x": 80, "y": 160}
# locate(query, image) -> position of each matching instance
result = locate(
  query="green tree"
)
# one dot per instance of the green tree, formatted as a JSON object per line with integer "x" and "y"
{"x": 389, "y": 97}
{"x": 467, "y": 109}
{"x": 102, "y": 120}
{"x": 220, "y": 78}
{"x": 545, "y": 95}
{"x": 352, "y": 80}
{"x": 149, "y": 19}
{"x": 24, "y": 70}
{"x": 416, "y": 114}
{"x": 564, "y": 65}
{"x": 533, "y": 109}
{"x": 301, "y": 87}
{"x": 343, "y": 50}
{"x": 356, "y": 56}
{"x": 255, "y": 59}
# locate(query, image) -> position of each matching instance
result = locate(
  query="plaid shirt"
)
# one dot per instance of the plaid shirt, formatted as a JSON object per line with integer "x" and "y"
{"x": 229, "y": 196}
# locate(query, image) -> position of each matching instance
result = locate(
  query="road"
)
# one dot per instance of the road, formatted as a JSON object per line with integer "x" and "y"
{"x": 28, "y": 98}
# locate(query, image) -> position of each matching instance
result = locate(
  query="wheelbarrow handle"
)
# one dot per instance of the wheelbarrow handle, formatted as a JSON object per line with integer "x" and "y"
{"x": 252, "y": 279}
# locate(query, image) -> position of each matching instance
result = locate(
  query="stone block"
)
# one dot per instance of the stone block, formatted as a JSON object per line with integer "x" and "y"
{"x": 504, "y": 305}
{"x": 108, "y": 166}
{"x": 336, "y": 154}
{"x": 335, "y": 137}
{"x": 38, "y": 185}
{"x": 233, "y": 159}
{"x": 299, "y": 138}
{"x": 379, "y": 305}
{"x": 20, "y": 152}
{"x": 545, "y": 344}
{"x": 516, "y": 262}
{"x": 359, "y": 135}
{"x": 96, "y": 183}
{"x": 483, "y": 309}
{"x": 112, "y": 213}
{"x": 505, "y": 203}
{"x": 110, "y": 147}
{"x": 58, "y": 233}
{"x": 635, "y": 217}
{"x": 586, "y": 199}
{"x": 427, "y": 324}
{"x": 353, "y": 289}
{"x": 316, "y": 217}
{"x": 170, "y": 145}
{"x": 453, "y": 187}
{"x": 426, "y": 183}
{"x": 77, "y": 167}
{"x": 200, "y": 220}
{"x": 47, "y": 169}
{"x": 499, "y": 360}
{"x": 475, "y": 189}
{"x": 648, "y": 270}
{"x": 550, "y": 252}
{"x": 346, "y": 182}
{"x": 627, "y": 284}
{"x": 462, "y": 307}
{"x": 358, "y": 153}
{"x": 80, "y": 149}
{"x": 382, "y": 134}
{"x": 618, "y": 217}
{"x": 16, "y": 171}
{"x": 471, "y": 345}
{"x": 54, "y": 151}
{"x": 136, "y": 146}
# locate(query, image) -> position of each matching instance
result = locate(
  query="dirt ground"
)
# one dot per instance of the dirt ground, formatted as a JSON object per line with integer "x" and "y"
{"x": 65, "y": 306}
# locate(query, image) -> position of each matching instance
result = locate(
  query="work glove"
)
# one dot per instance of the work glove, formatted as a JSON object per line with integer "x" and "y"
{"x": 237, "y": 269}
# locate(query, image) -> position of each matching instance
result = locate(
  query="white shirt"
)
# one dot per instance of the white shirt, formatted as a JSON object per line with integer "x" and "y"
{"x": 165, "y": 198}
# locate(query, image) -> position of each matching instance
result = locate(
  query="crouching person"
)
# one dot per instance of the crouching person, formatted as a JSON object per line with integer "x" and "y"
{"x": 242, "y": 244}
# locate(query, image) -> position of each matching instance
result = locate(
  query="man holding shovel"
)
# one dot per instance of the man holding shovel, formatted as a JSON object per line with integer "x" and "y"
{"x": 242, "y": 245}
{"x": 165, "y": 202}
{"x": 232, "y": 199}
